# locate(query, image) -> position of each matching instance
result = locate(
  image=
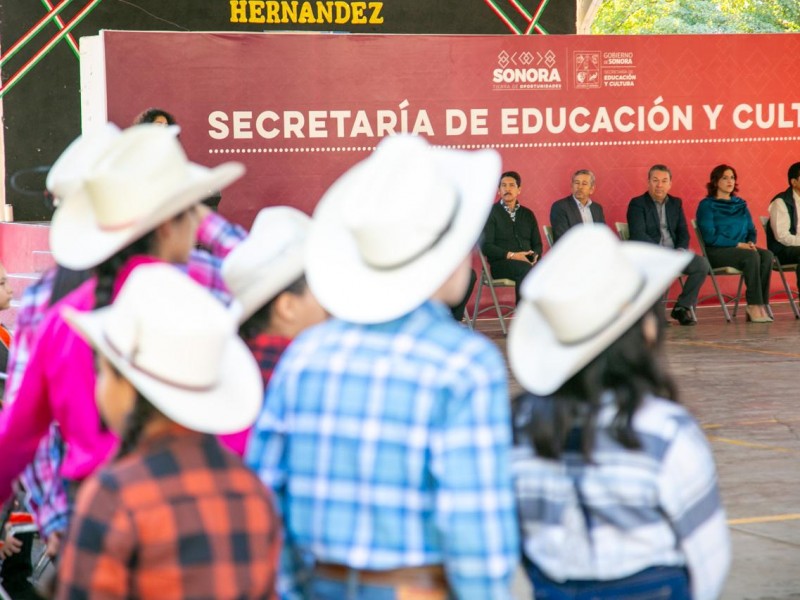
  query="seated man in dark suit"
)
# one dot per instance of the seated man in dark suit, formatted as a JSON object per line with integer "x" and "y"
{"x": 658, "y": 218}
{"x": 511, "y": 240}
{"x": 578, "y": 207}
{"x": 783, "y": 237}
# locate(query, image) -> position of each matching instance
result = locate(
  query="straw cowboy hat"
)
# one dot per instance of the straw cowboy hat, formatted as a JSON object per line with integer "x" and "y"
{"x": 142, "y": 179}
{"x": 584, "y": 294}
{"x": 178, "y": 346}
{"x": 391, "y": 230}
{"x": 269, "y": 260}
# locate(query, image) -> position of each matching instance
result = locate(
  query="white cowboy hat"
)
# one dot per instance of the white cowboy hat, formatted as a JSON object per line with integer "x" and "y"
{"x": 269, "y": 259}
{"x": 178, "y": 346}
{"x": 584, "y": 294}
{"x": 391, "y": 230}
{"x": 67, "y": 173}
{"x": 142, "y": 179}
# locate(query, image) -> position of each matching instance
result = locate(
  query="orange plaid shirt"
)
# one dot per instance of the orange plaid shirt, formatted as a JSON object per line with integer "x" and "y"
{"x": 179, "y": 518}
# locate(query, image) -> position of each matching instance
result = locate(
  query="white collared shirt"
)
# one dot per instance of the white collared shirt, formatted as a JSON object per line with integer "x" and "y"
{"x": 586, "y": 213}
{"x": 780, "y": 222}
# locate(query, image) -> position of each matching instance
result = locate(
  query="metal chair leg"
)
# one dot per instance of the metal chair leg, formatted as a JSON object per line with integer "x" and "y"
{"x": 497, "y": 308}
{"x": 788, "y": 290}
{"x": 722, "y": 302}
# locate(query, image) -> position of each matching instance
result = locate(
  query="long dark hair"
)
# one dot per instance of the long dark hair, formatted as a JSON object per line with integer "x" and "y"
{"x": 262, "y": 318}
{"x": 65, "y": 281}
{"x": 630, "y": 369}
{"x": 142, "y": 413}
{"x": 108, "y": 270}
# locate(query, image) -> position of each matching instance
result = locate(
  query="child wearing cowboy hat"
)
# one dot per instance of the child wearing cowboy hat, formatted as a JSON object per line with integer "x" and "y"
{"x": 615, "y": 481}
{"x": 385, "y": 431}
{"x": 132, "y": 205}
{"x": 265, "y": 274}
{"x": 174, "y": 516}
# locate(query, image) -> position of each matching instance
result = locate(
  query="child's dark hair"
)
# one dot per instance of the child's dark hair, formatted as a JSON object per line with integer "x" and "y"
{"x": 261, "y": 319}
{"x": 151, "y": 114}
{"x": 630, "y": 369}
{"x": 108, "y": 270}
{"x": 143, "y": 412}
{"x": 65, "y": 281}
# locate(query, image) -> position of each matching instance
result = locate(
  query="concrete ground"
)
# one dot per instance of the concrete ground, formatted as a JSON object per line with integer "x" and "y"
{"x": 740, "y": 381}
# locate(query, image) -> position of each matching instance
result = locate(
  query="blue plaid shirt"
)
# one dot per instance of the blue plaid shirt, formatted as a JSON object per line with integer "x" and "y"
{"x": 388, "y": 446}
{"x": 627, "y": 510}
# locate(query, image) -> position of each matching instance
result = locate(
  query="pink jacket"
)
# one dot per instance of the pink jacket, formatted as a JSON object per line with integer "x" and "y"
{"x": 58, "y": 384}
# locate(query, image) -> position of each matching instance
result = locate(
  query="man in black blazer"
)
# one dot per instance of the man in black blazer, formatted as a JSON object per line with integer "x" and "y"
{"x": 511, "y": 240}
{"x": 658, "y": 218}
{"x": 577, "y": 208}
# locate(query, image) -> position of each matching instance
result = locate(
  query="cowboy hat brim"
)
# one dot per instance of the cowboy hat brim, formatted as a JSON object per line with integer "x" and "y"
{"x": 79, "y": 242}
{"x": 350, "y": 289}
{"x": 232, "y": 405}
{"x": 542, "y": 364}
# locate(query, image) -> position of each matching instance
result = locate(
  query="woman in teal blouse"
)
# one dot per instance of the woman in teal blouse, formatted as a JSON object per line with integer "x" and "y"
{"x": 727, "y": 228}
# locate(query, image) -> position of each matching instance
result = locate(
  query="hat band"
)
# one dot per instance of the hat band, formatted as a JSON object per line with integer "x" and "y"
{"x": 156, "y": 377}
{"x": 606, "y": 324}
{"x": 117, "y": 226}
{"x": 406, "y": 261}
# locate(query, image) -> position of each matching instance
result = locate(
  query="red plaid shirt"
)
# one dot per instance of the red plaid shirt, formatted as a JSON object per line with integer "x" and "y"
{"x": 179, "y": 518}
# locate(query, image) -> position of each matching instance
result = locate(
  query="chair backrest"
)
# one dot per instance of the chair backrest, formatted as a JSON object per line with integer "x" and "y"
{"x": 765, "y": 225}
{"x": 699, "y": 237}
{"x": 548, "y": 234}
{"x": 623, "y": 231}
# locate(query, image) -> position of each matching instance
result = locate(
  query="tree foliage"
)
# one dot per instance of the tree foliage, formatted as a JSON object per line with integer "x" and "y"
{"x": 697, "y": 16}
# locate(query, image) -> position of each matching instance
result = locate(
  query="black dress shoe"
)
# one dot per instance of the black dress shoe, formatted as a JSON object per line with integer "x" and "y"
{"x": 683, "y": 315}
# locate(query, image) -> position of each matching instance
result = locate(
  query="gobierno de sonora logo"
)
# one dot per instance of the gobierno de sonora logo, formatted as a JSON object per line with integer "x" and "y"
{"x": 526, "y": 67}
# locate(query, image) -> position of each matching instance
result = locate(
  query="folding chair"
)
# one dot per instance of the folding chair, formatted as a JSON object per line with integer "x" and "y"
{"x": 777, "y": 266}
{"x": 485, "y": 279}
{"x": 714, "y": 272}
{"x": 548, "y": 235}
{"x": 623, "y": 231}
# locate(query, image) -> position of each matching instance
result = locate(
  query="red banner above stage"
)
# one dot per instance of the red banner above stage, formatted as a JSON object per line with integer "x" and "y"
{"x": 300, "y": 109}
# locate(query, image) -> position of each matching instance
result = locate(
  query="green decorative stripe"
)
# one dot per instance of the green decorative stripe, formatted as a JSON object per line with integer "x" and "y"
{"x": 32, "y": 33}
{"x": 503, "y": 17}
{"x": 60, "y": 22}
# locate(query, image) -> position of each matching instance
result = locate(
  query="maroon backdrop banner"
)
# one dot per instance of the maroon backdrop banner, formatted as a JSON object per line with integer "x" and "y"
{"x": 299, "y": 109}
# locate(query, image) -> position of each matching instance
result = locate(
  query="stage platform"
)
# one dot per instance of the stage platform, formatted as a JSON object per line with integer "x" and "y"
{"x": 740, "y": 381}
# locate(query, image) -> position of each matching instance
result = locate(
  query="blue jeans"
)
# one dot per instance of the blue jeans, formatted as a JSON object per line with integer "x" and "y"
{"x": 655, "y": 583}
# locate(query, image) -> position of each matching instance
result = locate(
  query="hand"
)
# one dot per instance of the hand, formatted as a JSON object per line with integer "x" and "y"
{"x": 746, "y": 245}
{"x": 11, "y": 545}
{"x": 523, "y": 256}
{"x": 53, "y": 544}
{"x": 202, "y": 211}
